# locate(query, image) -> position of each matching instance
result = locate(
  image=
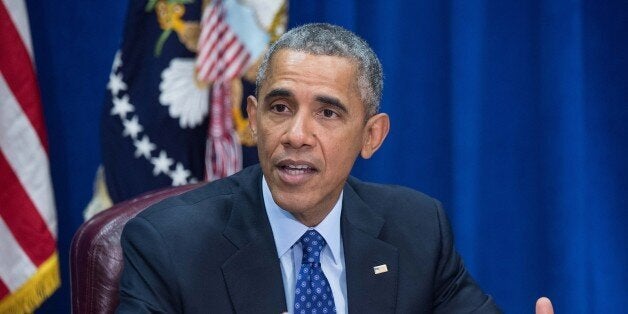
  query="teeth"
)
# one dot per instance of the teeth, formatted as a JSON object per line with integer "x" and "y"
{"x": 299, "y": 167}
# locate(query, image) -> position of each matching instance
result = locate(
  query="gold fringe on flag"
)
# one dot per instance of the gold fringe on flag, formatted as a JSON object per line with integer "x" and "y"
{"x": 35, "y": 291}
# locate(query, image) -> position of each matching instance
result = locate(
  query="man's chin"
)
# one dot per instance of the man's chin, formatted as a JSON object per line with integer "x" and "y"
{"x": 291, "y": 201}
{"x": 302, "y": 212}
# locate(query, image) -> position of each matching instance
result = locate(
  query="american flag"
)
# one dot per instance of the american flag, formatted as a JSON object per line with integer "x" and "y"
{"x": 221, "y": 55}
{"x": 29, "y": 270}
{"x": 221, "y": 58}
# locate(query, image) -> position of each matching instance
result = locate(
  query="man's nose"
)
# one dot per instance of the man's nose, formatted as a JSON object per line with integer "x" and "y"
{"x": 300, "y": 131}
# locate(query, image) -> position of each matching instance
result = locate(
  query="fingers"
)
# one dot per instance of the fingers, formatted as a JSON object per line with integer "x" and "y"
{"x": 544, "y": 306}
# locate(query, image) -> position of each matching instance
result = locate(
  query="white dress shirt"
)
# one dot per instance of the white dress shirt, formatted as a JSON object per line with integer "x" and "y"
{"x": 287, "y": 230}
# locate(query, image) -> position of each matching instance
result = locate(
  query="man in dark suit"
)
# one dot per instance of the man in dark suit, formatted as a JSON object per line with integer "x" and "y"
{"x": 296, "y": 233}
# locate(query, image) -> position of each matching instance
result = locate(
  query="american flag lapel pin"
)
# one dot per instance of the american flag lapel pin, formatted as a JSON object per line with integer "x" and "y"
{"x": 380, "y": 269}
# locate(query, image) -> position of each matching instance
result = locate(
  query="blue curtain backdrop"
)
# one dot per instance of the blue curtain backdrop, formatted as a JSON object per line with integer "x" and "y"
{"x": 510, "y": 112}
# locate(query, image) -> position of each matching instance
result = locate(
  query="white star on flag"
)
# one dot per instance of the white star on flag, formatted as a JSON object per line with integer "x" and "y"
{"x": 161, "y": 163}
{"x": 143, "y": 147}
{"x": 121, "y": 106}
{"x": 180, "y": 175}
{"x": 132, "y": 127}
{"x": 116, "y": 84}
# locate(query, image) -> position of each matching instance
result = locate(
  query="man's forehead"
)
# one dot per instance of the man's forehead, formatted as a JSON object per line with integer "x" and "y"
{"x": 296, "y": 62}
{"x": 288, "y": 55}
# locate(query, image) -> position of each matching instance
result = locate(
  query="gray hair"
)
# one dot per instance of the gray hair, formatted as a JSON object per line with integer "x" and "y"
{"x": 332, "y": 40}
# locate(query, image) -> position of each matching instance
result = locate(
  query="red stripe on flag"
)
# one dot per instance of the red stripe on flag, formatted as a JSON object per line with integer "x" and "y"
{"x": 213, "y": 57}
{"x": 236, "y": 63}
{"x": 230, "y": 40}
{"x": 228, "y": 54}
{"x": 18, "y": 71}
{"x": 4, "y": 290}
{"x": 219, "y": 63}
{"x": 210, "y": 38}
{"x": 22, "y": 218}
{"x": 244, "y": 60}
{"x": 208, "y": 24}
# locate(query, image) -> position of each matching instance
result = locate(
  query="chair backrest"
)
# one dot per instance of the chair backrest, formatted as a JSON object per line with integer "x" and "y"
{"x": 96, "y": 256}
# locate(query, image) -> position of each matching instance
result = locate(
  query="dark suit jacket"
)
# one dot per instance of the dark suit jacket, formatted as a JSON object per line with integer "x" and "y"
{"x": 211, "y": 250}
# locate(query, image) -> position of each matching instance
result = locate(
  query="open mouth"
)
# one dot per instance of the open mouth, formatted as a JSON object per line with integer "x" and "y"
{"x": 297, "y": 169}
{"x": 295, "y": 172}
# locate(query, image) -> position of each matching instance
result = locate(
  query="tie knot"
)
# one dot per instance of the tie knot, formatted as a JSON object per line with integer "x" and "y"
{"x": 312, "y": 243}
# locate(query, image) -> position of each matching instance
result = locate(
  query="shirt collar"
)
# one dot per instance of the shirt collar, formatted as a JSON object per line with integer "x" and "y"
{"x": 287, "y": 230}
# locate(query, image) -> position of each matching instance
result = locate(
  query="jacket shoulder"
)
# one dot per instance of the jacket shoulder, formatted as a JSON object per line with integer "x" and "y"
{"x": 210, "y": 203}
{"x": 381, "y": 197}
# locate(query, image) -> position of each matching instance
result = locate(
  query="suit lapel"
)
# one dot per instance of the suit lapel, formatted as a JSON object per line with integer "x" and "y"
{"x": 367, "y": 292}
{"x": 253, "y": 274}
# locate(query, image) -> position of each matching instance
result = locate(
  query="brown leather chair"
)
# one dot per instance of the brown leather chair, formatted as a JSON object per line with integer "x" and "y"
{"x": 96, "y": 256}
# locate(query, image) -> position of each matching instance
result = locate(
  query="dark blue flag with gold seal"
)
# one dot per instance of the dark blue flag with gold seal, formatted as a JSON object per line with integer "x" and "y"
{"x": 154, "y": 126}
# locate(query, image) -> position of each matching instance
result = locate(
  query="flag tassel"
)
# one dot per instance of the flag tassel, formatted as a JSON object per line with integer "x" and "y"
{"x": 37, "y": 289}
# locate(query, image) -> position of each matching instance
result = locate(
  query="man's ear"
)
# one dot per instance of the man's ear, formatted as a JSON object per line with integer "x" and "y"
{"x": 376, "y": 130}
{"x": 251, "y": 110}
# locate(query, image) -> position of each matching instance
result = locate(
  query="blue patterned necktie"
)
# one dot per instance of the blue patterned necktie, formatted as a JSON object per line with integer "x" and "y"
{"x": 312, "y": 293}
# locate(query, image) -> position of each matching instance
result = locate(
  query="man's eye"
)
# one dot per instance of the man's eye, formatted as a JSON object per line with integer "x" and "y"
{"x": 328, "y": 113}
{"x": 279, "y": 108}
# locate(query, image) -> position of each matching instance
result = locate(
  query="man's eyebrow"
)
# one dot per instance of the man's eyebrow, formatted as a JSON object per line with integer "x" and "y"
{"x": 279, "y": 92}
{"x": 332, "y": 101}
